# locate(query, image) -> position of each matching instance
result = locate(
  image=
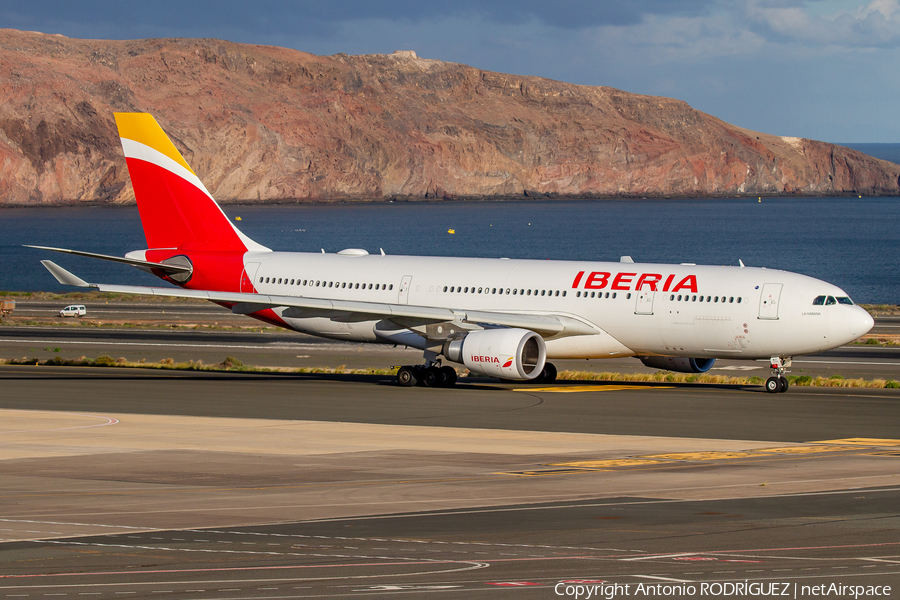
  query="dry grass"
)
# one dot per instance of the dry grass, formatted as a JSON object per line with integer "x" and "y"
{"x": 233, "y": 364}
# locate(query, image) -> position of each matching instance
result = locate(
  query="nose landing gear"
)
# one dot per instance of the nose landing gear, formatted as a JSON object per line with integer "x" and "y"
{"x": 778, "y": 383}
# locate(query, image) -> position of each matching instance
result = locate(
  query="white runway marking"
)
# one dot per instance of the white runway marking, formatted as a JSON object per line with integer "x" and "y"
{"x": 109, "y": 421}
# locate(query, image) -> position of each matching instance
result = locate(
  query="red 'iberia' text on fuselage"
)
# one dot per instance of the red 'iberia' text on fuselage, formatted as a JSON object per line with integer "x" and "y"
{"x": 598, "y": 280}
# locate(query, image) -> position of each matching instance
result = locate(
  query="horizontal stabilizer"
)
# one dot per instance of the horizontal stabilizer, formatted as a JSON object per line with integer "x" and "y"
{"x": 63, "y": 276}
{"x": 167, "y": 268}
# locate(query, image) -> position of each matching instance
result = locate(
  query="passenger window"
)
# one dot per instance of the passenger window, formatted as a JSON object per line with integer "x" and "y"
{"x": 592, "y": 294}
{"x": 739, "y": 300}
{"x": 392, "y": 287}
{"x": 830, "y": 301}
{"x": 445, "y": 288}
{"x": 731, "y": 300}
{"x": 628, "y": 297}
{"x": 564, "y": 294}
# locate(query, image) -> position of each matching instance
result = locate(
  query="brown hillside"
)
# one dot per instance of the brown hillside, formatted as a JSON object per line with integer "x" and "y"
{"x": 270, "y": 124}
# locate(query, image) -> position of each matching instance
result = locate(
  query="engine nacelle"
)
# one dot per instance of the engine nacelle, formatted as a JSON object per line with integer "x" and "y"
{"x": 679, "y": 364}
{"x": 503, "y": 353}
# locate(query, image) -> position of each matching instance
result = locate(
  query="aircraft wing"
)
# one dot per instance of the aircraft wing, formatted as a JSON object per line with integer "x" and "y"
{"x": 344, "y": 310}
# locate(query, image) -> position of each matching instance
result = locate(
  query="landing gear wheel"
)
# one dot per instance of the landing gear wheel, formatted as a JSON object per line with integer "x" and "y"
{"x": 432, "y": 377}
{"x": 407, "y": 376}
{"x": 774, "y": 385}
{"x": 449, "y": 374}
{"x": 548, "y": 374}
{"x": 784, "y": 384}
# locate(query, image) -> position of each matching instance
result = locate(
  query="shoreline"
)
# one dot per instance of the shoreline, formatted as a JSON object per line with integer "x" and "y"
{"x": 526, "y": 197}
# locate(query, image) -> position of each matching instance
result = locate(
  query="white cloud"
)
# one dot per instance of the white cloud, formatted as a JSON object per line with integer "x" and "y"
{"x": 872, "y": 25}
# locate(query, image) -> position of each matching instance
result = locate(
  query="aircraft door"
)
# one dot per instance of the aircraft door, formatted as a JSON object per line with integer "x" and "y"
{"x": 404, "y": 288}
{"x": 644, "y": 303}
{"x": 768, "y": 301}
{"x": 247, "y": 277}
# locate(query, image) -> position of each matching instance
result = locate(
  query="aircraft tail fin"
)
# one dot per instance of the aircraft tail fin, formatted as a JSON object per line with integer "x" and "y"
{"x": 176, "y": 209}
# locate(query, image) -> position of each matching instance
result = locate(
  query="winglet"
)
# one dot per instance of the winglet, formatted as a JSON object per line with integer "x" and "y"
{"x": 63, "y": 276}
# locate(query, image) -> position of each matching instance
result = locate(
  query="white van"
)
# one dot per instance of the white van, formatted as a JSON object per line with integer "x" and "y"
{"x": 73, "y": 310}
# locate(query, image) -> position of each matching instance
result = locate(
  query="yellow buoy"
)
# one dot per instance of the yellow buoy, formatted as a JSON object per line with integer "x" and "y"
{"x": 451, "y": 231}
{"x": 237, "y": 218}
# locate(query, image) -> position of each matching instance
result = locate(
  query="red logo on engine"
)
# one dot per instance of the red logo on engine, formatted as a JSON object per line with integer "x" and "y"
{"x": 507, "y": 363}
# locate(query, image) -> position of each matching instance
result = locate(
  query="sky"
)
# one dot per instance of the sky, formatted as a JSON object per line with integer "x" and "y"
{"x": 821, "y": 69}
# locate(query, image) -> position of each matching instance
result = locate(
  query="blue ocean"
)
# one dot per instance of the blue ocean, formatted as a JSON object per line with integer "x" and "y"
{"x": 851, "y": 242}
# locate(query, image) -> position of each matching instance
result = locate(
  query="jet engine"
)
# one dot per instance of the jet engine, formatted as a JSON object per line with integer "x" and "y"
{"x": 504, "y": 353}
{"x": 679, "y": 364}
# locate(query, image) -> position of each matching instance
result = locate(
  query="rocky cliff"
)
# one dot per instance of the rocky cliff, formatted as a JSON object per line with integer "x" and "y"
{"x": 271, "y": 124}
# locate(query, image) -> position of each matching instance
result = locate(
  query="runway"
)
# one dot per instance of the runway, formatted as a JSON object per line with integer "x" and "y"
{"x": 135, "y": 483}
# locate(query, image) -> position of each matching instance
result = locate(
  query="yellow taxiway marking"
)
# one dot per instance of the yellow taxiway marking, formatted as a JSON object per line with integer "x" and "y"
{"x": 861, "y": 442}
{"x": 807, "y": 449}
{"x": 589, "y": 388}
{"x": 704, "y": 455}
{"x": 674, "y": 458}
{"x": 602, "y": 464}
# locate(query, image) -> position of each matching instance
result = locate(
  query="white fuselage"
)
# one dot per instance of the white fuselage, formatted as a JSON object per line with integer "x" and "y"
{"x": 632, "y": 308}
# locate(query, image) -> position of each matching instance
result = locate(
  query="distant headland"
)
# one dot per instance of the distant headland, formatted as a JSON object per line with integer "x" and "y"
{"x": 267, "y": 124}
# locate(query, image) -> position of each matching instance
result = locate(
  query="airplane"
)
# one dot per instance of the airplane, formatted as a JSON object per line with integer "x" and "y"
{"x": 498, "y": 317}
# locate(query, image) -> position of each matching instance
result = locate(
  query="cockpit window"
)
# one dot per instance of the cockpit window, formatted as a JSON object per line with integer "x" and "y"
{"x": 819, "y": 301}
{"x": 845, "y": 300}
{"x": 830, "y": 301}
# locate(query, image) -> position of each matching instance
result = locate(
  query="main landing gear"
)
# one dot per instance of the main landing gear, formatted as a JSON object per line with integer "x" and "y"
{"x": 432, "y": 375}
{"x": 778, "y": 383}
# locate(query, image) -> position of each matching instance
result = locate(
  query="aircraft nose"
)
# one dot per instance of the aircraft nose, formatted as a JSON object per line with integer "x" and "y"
{"x": 861, "y": 322}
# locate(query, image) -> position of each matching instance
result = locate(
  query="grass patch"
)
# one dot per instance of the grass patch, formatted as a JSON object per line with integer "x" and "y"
{"x": 872, "y": 341}
{"x": 882, "y": 310}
